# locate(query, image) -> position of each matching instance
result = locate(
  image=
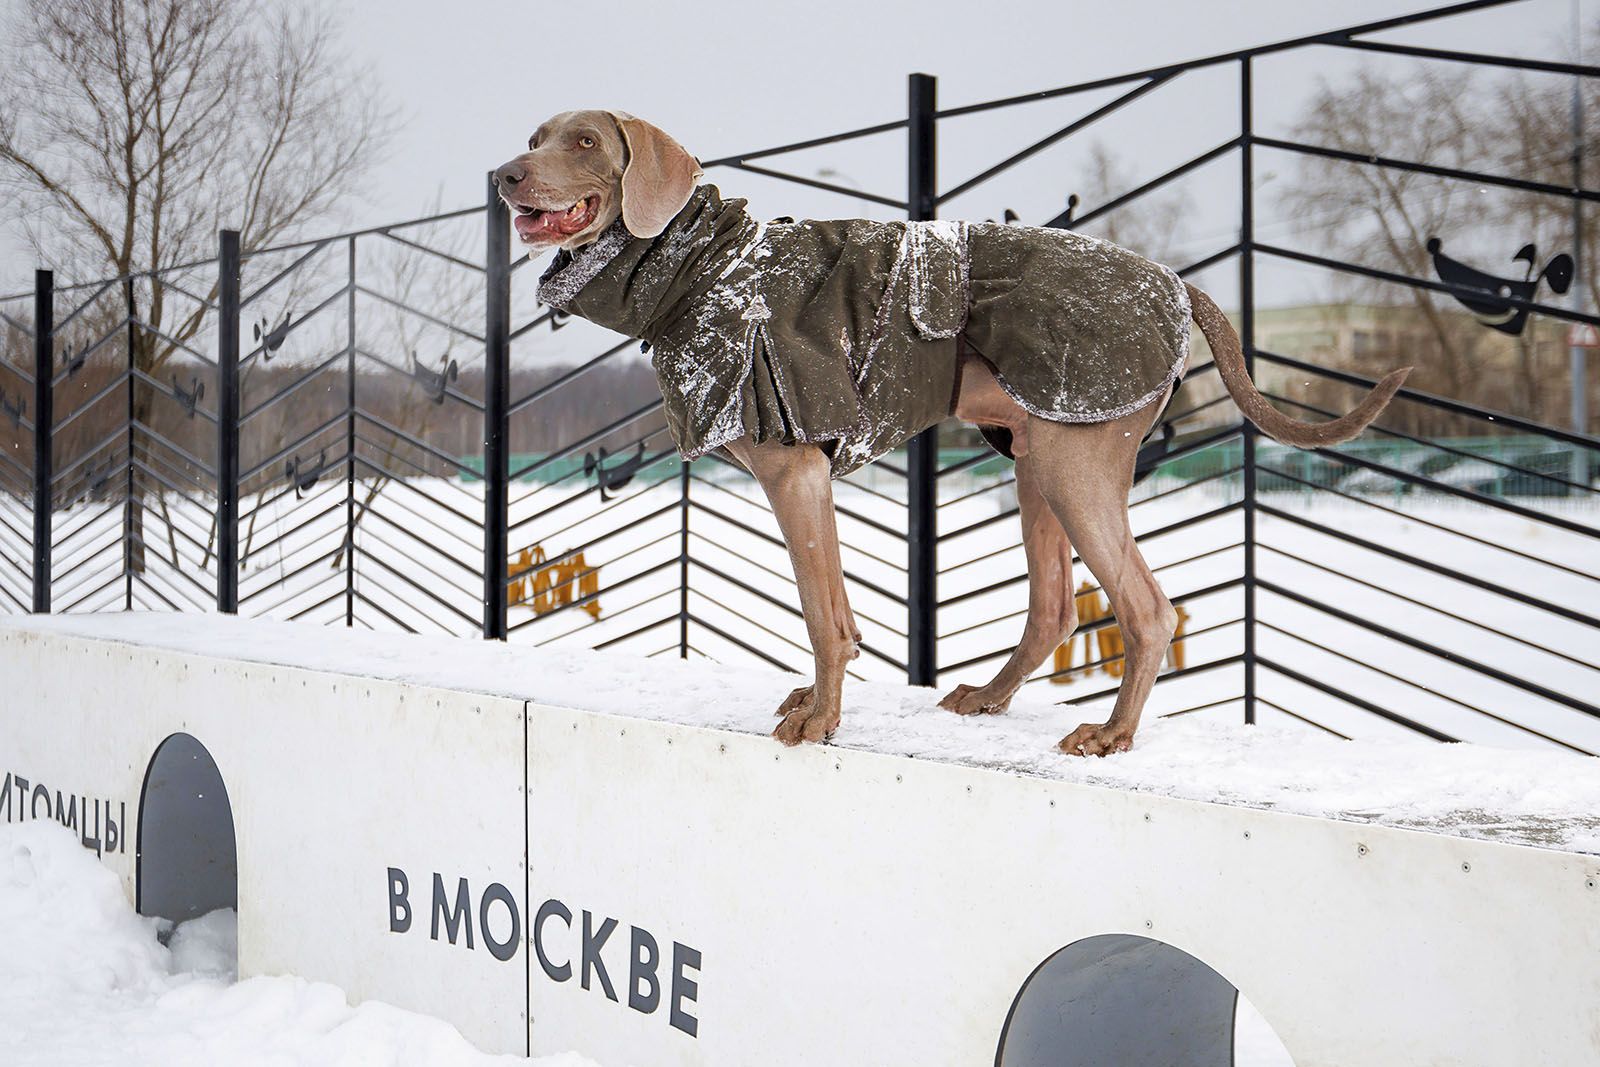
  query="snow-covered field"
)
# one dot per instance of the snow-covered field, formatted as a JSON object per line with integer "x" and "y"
{"x": 85, "y": 982}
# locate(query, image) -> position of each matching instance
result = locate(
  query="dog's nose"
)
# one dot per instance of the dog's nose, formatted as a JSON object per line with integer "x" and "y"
{"x": 508, "y": 176}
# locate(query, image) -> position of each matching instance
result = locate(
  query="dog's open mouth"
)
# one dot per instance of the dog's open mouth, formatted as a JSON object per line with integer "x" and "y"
{"x": 535, "y": 226}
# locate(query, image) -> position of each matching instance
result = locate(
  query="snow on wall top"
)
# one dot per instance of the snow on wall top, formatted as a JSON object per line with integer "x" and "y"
{"x": 1546, "y": 798}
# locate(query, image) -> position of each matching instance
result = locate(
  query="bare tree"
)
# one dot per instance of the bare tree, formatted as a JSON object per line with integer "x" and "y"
{"x": 1533, "y": 138}
{"x": 132, "y": 130}
{"x": 1382, "y": 217}
{"x": 1151, "y": 225}
{"x": 137, "y": 128}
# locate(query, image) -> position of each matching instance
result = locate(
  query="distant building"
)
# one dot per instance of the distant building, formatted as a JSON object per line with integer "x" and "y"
{"x": 1454, "y": 356}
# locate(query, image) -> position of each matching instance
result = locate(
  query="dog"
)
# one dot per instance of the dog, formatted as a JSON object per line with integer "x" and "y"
{"x": 804, "y": 349}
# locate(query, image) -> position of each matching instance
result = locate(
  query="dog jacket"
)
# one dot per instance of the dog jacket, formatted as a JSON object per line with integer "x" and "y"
{"x": 844, "y": 333}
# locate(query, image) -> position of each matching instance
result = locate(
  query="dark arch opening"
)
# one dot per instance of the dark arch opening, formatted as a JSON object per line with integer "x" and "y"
{"x": 187, "y": 862}
{"x": 1120, "y": 999}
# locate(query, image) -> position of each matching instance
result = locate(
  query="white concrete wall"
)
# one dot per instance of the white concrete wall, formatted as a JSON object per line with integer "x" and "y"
{"x": 845, "y": 907}
{"x": 332, "y": 779}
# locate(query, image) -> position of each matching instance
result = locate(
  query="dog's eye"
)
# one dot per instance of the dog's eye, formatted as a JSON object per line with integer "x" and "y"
{"x": 586, "y": 142}
{"x": 532, "y": 141}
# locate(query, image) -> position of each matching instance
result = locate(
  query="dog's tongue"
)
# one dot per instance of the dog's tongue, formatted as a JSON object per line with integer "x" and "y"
{"x": 547, "y": 224}
{"x": 532, "y": 227}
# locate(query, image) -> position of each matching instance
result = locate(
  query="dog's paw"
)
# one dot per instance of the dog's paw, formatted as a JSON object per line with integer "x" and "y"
{"x": 1096, "y": 739}
{"x": 803, "y": 697}
{"x": 807, "y": 724}
{"x": 975, "y": 700}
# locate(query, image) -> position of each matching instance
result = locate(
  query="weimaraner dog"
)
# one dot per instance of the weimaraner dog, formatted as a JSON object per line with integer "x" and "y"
{"x": 606, "y": 188}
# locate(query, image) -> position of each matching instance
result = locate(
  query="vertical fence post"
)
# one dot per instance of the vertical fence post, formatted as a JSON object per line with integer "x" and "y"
{"x": 683, "y": 565}
{"x": 497, "y": 369}
{"x": 350, "y": 441}
{"x": 44, "y": 360}
{"x": 922, "y": 454}
{"x": 127, "y": 504}
{"x": 1247, "y": 337}
{"x": 228, "y": 422}
{"x": 1577, "y": 355}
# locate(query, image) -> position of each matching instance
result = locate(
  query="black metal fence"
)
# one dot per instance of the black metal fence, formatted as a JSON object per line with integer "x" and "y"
{"x": 187, "y": 439}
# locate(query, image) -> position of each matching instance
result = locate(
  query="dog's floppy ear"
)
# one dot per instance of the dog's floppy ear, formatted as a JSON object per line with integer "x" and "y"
{"x": 659, "y": 179}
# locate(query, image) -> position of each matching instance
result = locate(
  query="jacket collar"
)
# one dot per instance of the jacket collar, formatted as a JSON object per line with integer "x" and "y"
{"x": 570, "y": 271}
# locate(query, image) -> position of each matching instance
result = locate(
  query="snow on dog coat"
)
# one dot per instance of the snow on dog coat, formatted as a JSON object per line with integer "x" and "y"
{"x": 843, "y": 333}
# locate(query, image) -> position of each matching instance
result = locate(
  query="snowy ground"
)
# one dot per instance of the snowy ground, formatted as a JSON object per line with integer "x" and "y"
{"x": 86, "y": 982}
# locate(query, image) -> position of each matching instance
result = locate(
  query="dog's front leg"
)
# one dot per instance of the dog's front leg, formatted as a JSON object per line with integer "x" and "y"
{"x": 795, "y": 480}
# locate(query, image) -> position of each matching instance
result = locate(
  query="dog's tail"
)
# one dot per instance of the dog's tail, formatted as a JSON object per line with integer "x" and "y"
{"x": 1229, "y": 356}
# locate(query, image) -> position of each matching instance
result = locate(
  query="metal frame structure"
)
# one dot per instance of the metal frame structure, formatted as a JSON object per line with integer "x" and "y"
{"x": 917, "y": 553}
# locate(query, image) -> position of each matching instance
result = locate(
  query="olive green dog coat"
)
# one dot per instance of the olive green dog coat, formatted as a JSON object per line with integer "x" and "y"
{"x": 843, "y": 333}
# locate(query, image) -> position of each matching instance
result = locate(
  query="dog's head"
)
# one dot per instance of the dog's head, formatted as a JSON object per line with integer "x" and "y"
{"x": 582, "y": 169}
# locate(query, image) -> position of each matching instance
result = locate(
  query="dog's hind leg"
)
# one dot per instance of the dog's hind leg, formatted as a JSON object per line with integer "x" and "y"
{"x": 1051, "y": 607}
{"x": 1085, "y": 472}
{"x": 795, "y": 480}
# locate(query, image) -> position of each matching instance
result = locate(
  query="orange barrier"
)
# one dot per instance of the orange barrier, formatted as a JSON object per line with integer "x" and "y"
{"x": 547, "y": 585}
{"x": 1105, "y": 644}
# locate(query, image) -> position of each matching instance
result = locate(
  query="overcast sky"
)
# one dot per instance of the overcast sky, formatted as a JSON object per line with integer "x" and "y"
{"x": 472, "y": 78}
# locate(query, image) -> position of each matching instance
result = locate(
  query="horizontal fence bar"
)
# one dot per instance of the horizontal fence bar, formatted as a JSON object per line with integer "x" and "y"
{"x": 1327, "y": 37}
{"x": 1302, "y": 718}
{"x": 785, "y": 606}
{"x": 443, "y": 324}
{"x": 446, "y": 256}
{"x": 795, "y": 146}
{"x": 779, "y": 543}
{"x": 1433, "y": 400}
{"x": 1093, "y": 627}
{"x": 104, "y": 286}
{"x": 1435, "y": 446}
{"x": 1378, "y": 274}
{"x": 1184, "y": 672}
{"x": 1389, "y": 590}
{"x": 843, "y": 190}
{"x": 1436, "y": 651}
{"x": 1350, "y": 698}
{"x": 1067, "y": 218}
{"x": 299, "y": 262}
{"x": 1423, "y": 481}
{"x": 1390, "y": 163}
{"x": 695, "y": 620}
{"x": 1475, "y": 58}
{"x": 1367, "y": 501}
{"x": 549, "y": 387}
{"x": 1111, "y": 106}
{"x": 366, "y": 232}
{"x": 1527, "y": 600}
